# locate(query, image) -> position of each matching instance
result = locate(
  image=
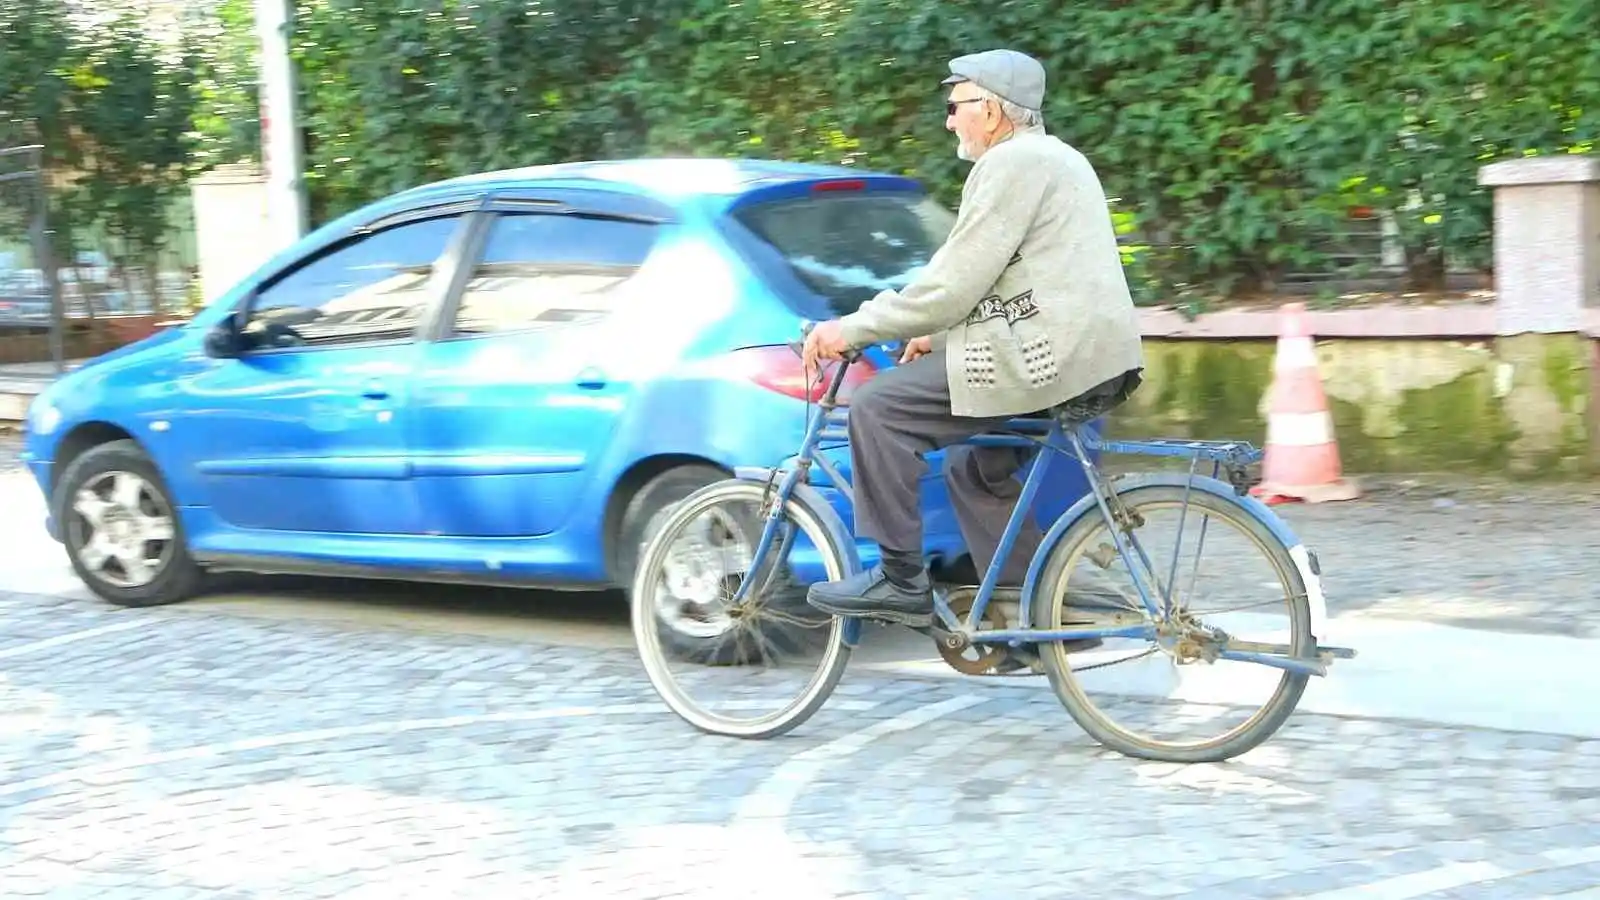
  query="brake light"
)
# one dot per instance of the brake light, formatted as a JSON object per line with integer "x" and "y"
{"x": 779, "y": 369}
{"x": 846, "y": 184}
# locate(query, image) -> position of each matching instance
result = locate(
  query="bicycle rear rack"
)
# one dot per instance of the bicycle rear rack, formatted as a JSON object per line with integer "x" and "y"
{"x": 1236, "y": 457}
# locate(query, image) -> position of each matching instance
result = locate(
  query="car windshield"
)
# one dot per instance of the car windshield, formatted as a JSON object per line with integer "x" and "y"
{"x": 848, "y": 247}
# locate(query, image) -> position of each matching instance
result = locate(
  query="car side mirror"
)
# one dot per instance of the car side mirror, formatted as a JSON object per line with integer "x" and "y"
{"x": 222, "y": 342}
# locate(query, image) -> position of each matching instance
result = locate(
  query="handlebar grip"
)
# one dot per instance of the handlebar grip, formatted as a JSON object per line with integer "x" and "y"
{"x": 799, "y": 348}
{"x": 806, "y": 327}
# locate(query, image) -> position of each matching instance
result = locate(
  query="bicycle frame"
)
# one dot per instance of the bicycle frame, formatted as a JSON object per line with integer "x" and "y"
{"x": 827, "y": 422}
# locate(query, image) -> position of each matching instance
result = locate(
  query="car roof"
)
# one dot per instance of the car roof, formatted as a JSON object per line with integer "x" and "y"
{"x": 667, "y": 181}
{"x": 670, "y": 179}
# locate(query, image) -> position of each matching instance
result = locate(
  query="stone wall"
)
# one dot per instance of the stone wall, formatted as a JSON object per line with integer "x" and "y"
{"x": 82, "y": 338}
{"x": 1523, "y": 404}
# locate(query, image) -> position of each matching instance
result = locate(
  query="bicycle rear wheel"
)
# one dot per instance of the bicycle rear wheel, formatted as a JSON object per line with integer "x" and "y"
{"x": 780, "y": 658}
{"x": 1169, "y": 682}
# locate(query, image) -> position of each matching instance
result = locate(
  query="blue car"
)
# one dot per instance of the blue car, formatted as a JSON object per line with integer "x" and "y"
{"x": 495, "y": 379}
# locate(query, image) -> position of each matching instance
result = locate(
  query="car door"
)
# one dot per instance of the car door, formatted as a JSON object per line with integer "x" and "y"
{"x": 519, "y": 397}
{"x": 305, "y": 427}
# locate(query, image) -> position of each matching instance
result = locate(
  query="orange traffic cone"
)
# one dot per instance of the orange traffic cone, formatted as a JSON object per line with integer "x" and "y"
{"x": 1302, "y": 457}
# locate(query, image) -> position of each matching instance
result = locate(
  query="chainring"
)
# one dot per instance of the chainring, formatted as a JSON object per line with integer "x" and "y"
{"x": 987, "y": 656}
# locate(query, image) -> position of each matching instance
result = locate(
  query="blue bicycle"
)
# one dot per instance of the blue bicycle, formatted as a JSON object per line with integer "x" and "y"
{"x": 728, "y": 566}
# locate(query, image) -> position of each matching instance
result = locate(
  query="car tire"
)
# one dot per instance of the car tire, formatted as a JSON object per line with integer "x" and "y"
{"x": 169, "y": 573}
{"x": 646, "y": 509}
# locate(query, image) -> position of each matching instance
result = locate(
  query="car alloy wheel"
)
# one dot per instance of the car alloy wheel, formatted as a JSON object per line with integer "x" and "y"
{"x": 122, "y": 529}
{"x": 694, "y": 602}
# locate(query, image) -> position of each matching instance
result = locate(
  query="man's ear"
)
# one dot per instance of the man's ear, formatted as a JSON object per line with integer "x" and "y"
{"x": 993, "y": 106}
{"x": 996, "y": 116}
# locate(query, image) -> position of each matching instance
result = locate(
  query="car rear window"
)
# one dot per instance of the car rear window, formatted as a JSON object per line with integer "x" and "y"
{"x": 845, "y": 248}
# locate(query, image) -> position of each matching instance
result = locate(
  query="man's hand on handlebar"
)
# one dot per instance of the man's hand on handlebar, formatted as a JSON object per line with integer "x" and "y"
{"x": 824, "y": 341}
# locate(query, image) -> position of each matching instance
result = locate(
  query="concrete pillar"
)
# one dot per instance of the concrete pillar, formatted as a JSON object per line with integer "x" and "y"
{"x": 233, "y": 232}
{"x": 280, "y": 125}
{"x": 1546, "y": 241}
{"x": 1547, "y": 287}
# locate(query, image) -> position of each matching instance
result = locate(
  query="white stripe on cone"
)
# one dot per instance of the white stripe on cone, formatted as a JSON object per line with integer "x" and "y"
{"x": 1300, "y": 429}
{"x": 1295, "y": 353}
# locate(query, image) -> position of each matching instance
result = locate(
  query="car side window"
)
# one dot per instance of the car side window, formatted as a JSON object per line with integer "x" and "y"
{"x": 539, "y": 270}
{"x": 372, "y": 289}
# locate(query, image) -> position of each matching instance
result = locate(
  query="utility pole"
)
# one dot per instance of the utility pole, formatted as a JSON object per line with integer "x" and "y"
{"x": 280, "y": 125}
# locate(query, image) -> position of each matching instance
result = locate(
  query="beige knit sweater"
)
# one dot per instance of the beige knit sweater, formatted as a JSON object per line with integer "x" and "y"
{"x": 1028, "y": 294}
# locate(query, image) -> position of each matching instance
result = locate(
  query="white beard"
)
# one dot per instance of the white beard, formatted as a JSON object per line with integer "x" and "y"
{"x": 963, "y": 152}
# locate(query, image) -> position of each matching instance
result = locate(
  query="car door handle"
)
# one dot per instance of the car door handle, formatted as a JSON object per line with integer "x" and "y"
{"x": 374, "y": 390}
{"x": 591, "y": 379}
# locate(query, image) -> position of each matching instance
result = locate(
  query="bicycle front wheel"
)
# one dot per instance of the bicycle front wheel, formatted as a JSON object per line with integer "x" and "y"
{"x": 775, "y": 659}
{"x": 1170, "y": 698}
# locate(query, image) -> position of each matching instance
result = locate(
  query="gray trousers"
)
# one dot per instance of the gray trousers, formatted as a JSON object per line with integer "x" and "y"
{"x": 904, "y": 412}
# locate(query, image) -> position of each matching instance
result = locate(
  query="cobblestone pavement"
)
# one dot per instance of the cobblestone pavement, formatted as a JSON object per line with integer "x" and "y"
{"x": 187, "y": 752}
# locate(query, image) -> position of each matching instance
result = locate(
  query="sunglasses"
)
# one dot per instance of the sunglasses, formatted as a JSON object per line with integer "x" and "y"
{"x": 950, "y": 106}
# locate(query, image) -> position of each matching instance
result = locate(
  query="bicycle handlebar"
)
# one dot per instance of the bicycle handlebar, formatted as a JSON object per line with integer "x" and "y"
{"x": 807, "y": 326}
{"x": 837, "y": 381}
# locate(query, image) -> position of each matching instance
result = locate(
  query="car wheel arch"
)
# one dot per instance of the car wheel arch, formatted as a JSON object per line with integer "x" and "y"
{"x": 82, "y": 438}
{"x": 627, "y": 486}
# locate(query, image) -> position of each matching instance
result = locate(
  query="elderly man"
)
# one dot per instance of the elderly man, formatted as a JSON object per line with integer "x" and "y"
{"x": 1023, "y": 309}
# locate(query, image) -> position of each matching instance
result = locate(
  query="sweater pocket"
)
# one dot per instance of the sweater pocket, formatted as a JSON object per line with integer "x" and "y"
{"x": 978, "y": 364}
{"x": 1039, "y": 360}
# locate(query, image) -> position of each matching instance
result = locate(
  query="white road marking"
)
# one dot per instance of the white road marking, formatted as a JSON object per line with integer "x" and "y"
{"x": 1573, "y": 856}
{"x": 1417, "y": 884}
{"x": 70, "y": 638}
{"x": 1461, "y": 874}
{"x": 772, "y": 799}
{"x": 89, "y": 774}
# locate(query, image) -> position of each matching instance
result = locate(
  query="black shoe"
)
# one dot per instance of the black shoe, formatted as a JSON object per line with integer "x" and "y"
{"x": 871, "y": 595}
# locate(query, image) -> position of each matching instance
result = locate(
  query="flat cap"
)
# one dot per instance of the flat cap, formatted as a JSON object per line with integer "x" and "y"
{"x": 1012, "y": 75}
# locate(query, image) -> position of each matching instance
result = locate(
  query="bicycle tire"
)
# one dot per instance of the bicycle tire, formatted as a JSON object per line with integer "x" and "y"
{"x": 1058, "y": 666}
{"x": 647, "y": 642}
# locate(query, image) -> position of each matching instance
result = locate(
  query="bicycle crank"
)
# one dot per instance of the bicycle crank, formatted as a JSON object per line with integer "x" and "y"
{"x": 963, "y": 656}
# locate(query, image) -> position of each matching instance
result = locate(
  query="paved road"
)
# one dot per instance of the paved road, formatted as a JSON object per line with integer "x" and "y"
{"x": 274, "y": 742}
{"x": 1468, "y": 552}
{"x": 192, "y": 751}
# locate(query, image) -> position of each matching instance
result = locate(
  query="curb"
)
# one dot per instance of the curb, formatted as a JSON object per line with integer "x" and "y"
{"x": 14, "y": 401}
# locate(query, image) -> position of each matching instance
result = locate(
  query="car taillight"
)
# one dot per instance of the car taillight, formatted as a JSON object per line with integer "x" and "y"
{"x": 779, "y": 369}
